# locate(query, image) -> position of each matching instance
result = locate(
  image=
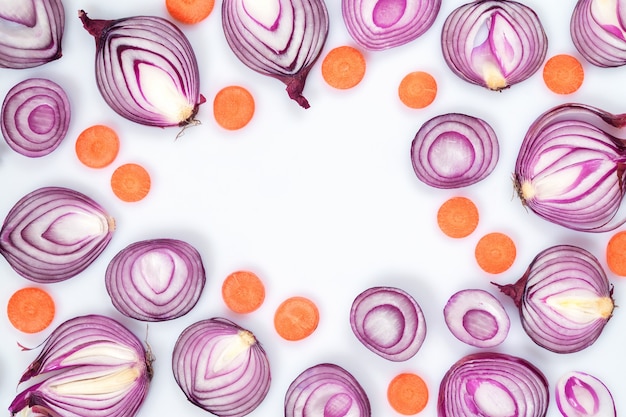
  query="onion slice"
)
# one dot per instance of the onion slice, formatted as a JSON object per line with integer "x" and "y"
{"x": 389, "y": 322}
{"x": 494, "y": 43}
{"x": 383, "y": 24}
{"x": 30, "y": 33}
{"x": 277, "y": 38}
{"x": 579, "y": 394}
{"x": 221, "y": 367}
{"x": 491, "y": 384}
{"x": 326, "y": 389}
{"x": 454, "y": 150}
{"x": 89, "y": 366}
{"x": 155, "y": 279}
{"x": 35, "y": 117}
{"x": 54, "y": 233}
{"x": 477, "y": 318}
{"x": 564, "y": 299}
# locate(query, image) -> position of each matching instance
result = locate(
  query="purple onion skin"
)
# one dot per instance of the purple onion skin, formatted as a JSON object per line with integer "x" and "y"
{"x": 54, "y": 233}
{"x": 579, "y": 394}
{"x": 493, "y": 384}
{"x": 564, "y": 299}
{"x": 29, "y": 39}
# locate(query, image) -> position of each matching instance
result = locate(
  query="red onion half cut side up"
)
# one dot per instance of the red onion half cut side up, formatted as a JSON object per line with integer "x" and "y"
{"x": 54, "y": 233}
{"x": 146, "y": 70}
{"x": 277, "y": 38}
{"x": 494, "y": 43}
{"x": 326, "y": 389}
{"x": 598, "y": 32}
{"x": 383, "y": 24}
{"x": 156, "y": 279}
{"x": 31, "y": 33}
{"x": 579, "y": 394}
{"x": 89, "y": 366}
{"x": 221, "y": 367}
{"x": 35, "y": 117}
{"x": 570, "y": 168}
{"x": 454, "y": 150}
{"x": 564, "y": 299}
{"x": 491, "y": 384}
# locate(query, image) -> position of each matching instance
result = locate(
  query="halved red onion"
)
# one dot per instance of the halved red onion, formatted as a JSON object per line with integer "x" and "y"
{"x": 277, "y": 38}
{"x": 383, "y": 24}
{"x": 564, "y": 299}
{"x": 491, "y": 384}
{"x": 35, "y": 117}
{"x": 477, "y": 318}
{"x": 146, "y": 70}
{"x": 570, "y": 168}
{"x": 454, "y": 150}
{"x": 54, "y": 233}
{"x": 221, "y": 367}
{"x": 89, "y": 366}
{"x": 598, "y": 32}
{"x": 155, "y": 279}
{"x": 326, "y": 389}
{"x": 30, "y": 33}
{"x": 389, "y": 322}
{"x": 494, "y": 43}
{"x": 579, "y": 394}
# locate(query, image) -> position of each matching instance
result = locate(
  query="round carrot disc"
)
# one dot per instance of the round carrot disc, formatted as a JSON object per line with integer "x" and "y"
{"x": 457, "y": 217}
{"x": 407, "y": 393}
{"x": 243, "y": 292}
{"x": 233, "y": 107}
{"x": 31, "y": 309}
{"x": 417, "y": 89}
{"x": 343, "y": 67}
{"x": 495, "y": 252}
{"x": 296, "y": 318}
{"x": 130, "y": 182}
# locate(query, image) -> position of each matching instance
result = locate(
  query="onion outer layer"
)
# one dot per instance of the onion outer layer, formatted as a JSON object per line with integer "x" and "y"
{"x": 579, "y": 394}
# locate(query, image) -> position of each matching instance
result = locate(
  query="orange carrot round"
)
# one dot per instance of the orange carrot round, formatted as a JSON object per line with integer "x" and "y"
{"x": 616, "y": 253}
{"x": 457, "y": 217}
{"x": 243, "y": 292}
{"x": 343, "y": 67}
{"x": 563, "y": 74}
{"x": 130, "y": 182}
{"x": 407, "y": 393}
{"x": 495, "y": 252}
{"x": 97, "y": 146}
{"x": 233, "y": 107}
{"x": 296, "y": 318}
{"x": 189, "y": 11}
{"x": 31, "y": 309}
{"x": 417, "y": 90}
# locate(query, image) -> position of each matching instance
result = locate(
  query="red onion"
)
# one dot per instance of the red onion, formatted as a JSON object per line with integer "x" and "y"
{"x": 30, "y": 33}
{"x": 491, "y": 384}
{"x": 564, "y": 299}
{"x": 280, "y": 39}
{"x": 454, "y": 150}
{"x": 598, "y": 32}
{"x": 494, "y": 43}
{"x": 579, "y": 394}
{"x": 389, "y": 322}
{"x": 156, "y": 279}
{"x": 35, "y": 117}
{"x": 326, "y": 389}
{"x": 569, "y": 169}
{"x": 89, "y": 366}
{"x": 54, "y": 233}
{"x": 221, "y": 367}
{"x": 477, "y": 318}
{"x": 383, "y": 24}
{"x": 146, "y": 70}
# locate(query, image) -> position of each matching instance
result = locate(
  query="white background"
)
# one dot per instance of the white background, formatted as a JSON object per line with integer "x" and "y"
{"x": 320, "y": 202}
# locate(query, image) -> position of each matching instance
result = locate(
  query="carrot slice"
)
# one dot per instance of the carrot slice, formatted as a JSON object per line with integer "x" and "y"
{"x": 243, "y": 292}
{"x": 189, "y": 11}
{"x": 343, "y": 67}
{"x": 563, "y": 74}
{"x": 457, "y": 217}
{"x": 407, "y": 393}
{"x": 417, "y": 90}
{"x": 296, "y": 318}
{"x": 31, "y": 309}
{"x": 233, "y": 107}
{"x": 616, "y": 253}
{"x": 97, "y": 146}
{"x": 495, "y": 252}
{"x": 130, "y": 182}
